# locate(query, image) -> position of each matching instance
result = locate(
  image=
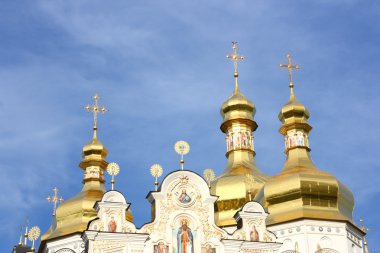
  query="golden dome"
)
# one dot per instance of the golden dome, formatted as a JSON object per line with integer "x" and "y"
{"x": 293, "y": 110}
{"x": 301, "y": 190}
{"x": 241, "y": 179}
{"x": 305, "y": 192}
{"x": 238, "y": 107}
{"x": 73, "y": 215}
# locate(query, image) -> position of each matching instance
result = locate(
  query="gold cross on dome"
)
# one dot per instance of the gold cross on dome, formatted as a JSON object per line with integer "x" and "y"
{"x": 290, "y": 68}
{"x": 95, "y": 109}
{"x": 362, "y": 227}
{"x": 235, "y": 58}
{"x": 54, "y": 199}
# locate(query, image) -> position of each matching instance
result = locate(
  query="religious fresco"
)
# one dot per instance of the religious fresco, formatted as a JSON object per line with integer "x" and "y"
{"x": 161, "y": 248}
{"x": 112, "y": 225}
{"x": 254, "y": 234}
{"x": 239, "y": 140}
{"x": 185, "y": 238}
{"x": 184, "y": 198}
{"x": 296, "y": 139}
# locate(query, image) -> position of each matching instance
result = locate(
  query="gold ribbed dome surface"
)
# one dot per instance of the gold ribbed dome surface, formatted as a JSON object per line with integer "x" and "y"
{"x": 233, "y": 186}
{"x": 237, "y": 107}
{"x": 293, "y": 110}
{"x": 301, "y": 190}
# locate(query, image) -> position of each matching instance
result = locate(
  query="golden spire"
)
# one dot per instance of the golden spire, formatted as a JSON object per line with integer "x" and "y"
{"x": 290, "y": 68}
{"x": 365, "y": 230}
{"x": 235, "y": 58}
{"x": 95, "y": 109}
{"x": 54, "y": 199}
{"x": 94, "y": 152}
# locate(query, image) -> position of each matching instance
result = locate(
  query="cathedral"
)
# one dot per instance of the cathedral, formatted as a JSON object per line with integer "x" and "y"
{"x": 301, "y": 209}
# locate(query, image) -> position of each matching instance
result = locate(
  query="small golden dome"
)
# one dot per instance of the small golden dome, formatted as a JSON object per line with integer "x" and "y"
{"x": 238, "y": 107}
{"x": 293, "y": 110}
{"x": 94, "y": 154}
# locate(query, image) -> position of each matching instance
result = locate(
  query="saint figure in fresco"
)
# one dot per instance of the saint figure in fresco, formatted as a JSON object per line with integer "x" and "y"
{"x": 184, "y": 198}
{"x": 254, "y": 235}
{"x": 300, "y": 141}
{"x": 292, "y": 141}
{"x": 161, "y": 248}
{"x": 184, "y": 239}
{"x": 112, "y": 225}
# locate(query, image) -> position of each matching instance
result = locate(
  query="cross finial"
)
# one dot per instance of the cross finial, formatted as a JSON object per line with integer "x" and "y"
{"x": 365, "y": 230}
{"x": 362, "y": 227}
{"x": 54, "y": 199}
{"x": 290, "y": 68}
{"x": 95, "y": 109}
{"x": 235, "y": 58}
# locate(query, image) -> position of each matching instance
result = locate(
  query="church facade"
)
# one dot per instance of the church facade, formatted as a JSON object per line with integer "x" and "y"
{"x": 302, "y": 209}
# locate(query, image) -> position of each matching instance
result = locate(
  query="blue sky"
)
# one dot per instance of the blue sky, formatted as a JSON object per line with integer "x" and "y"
{"x": 160, "y": 69}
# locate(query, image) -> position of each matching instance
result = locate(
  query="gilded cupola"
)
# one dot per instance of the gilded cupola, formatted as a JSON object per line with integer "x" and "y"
{"x": 73, "y": 215}
{"x": 241, "y": 178}
{"x": 301, "y": 190}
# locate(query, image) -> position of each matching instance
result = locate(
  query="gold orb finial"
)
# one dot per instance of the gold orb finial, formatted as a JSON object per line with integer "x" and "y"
{"x": 209, "y": 176}
{"x": 33, "y": 235}
{"x": 156, "y": 171}
{"x": 182, "y": 148}
{"x": 113, "y": 169}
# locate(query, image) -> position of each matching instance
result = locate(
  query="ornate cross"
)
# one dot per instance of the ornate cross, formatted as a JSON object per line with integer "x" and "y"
{"x": 55, "y": 199}
{"x": 290, "y": 67}
{"x": 235, "y": 57}
{"x": 95, "y": 109}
